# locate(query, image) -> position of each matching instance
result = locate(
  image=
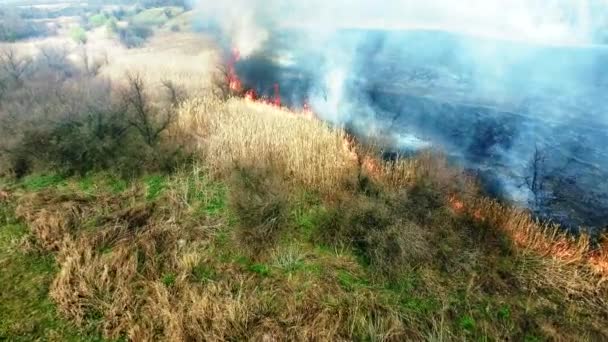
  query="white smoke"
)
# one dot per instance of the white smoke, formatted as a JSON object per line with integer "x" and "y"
{"x": 245, "y": 23}
{"x": 538, "y": 21}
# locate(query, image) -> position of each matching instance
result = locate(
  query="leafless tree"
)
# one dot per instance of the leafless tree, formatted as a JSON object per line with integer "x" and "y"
{"x": 220, "y": 83}
{"x": 92, "y": 64}
{"x": 55, "y": 57}
{"x": 176, "y": 94}
{"x": 536, "y": 176}
{"x": 142, "y": 115}
{"x": 13, "y": 65}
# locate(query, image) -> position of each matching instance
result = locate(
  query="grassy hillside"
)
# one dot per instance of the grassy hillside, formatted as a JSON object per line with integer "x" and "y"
{"x": 158, "y": 206}
{"x": 279, "y": 227}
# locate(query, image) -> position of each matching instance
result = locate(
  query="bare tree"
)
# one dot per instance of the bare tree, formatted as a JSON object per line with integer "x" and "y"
{"x": 536, "y": 176}
{"x": 13, "y": 65}
{"x": 55, "y": 57}
{"x": 176, "y": 94}
{"x": 92, "y": 65}
{"x": 143, "y": 116}
{"x": 220, "y": 82}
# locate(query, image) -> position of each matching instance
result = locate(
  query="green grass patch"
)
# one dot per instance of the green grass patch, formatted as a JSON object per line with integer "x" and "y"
{"x": 169, "y": 279}
{"x": 261, "y": 269}
{"x": 214, "y": 201}
{"x": 202, "y": 273}
{"x": 102, "y": 181}
{"x": 350, "y": 282}
{"x": 117, "y": 185}
{"x": 467, "y": 323}
{"x": 39, "y": 182}
{"x": 309, "y": 220}
{"x": 154, "y": 186}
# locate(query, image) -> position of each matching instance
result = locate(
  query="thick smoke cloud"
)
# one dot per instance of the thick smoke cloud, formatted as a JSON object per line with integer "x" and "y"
{"x": 490, "y": 81}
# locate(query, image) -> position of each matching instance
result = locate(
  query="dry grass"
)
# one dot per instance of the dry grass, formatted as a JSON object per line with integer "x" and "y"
{"x": 305, "y": 151}
{"x": 186, "y": 59}
{"x": 49, "y": 229}
{"x": 137, "y": 275}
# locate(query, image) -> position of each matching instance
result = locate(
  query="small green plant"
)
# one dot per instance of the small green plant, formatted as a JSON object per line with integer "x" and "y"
{"x": 216, "y": 201}
{"x": 117, "y": 185}
{"x": 309, "y": 220}
{"x": 467, "y": 323}
{"x": 202, "y": 273}
{"x": 260, "y": 269}
{"x": 169, "y": 279}
{"x": 532, "y": 338}
{"x": 155, "y": 186}
{"x": 87, "y": 183}
{"x": 288, "y": 259}
{"x": 504, "y": 313}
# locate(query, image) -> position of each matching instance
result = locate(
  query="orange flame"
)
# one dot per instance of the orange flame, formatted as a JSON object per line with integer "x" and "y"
{"x": 236, "y": 86}
{"x": 456, "y": 204}
{"x": 234, "y": 82}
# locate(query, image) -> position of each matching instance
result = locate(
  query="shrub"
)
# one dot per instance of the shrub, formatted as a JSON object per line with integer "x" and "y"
{"x": 111, "y": 26}
{"x": 259, "y": 200}
{"x": 134, "y": 35}
{"x": 75, "y": 125}
{"x": 79, "y": 35}
{"x": 98, "y": 20}
{"x": 94, "y": 142}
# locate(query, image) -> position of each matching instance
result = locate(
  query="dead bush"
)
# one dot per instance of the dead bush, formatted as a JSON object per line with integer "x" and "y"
{"x": 378, "y": 232}
{"x": 400, "y": 246}
{"x": 259, "y": 200}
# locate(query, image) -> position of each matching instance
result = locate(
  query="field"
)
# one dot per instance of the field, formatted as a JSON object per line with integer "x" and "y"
{"x": 142, "y": 200}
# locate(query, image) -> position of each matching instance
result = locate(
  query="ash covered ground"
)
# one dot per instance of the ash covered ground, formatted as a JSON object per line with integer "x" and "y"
{"x": 531, "y": 120}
